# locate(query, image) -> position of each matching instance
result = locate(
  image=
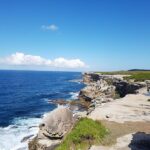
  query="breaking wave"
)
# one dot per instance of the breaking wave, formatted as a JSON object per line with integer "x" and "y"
{"x": 16, "y": 136}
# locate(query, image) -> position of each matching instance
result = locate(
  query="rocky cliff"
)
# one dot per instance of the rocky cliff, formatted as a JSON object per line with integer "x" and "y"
{"x": 105, "y": 88}
{"x": 100, "y": 89}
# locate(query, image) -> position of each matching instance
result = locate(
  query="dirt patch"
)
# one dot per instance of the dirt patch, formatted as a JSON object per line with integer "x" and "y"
{"x": 120, "y": 129}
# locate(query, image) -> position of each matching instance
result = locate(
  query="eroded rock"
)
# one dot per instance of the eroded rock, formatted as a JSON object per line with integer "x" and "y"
{"x": 105, "y": 88}
{"x": 52, "y": 129}
{"x": 90, "y": 77}
{"x": 148, "y": 85}
{"x": 97, "y": 89}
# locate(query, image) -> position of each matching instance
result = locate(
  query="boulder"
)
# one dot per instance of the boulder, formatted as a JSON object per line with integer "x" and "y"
{"x": 56, "y": 124}
{"x": 53, "y": 128}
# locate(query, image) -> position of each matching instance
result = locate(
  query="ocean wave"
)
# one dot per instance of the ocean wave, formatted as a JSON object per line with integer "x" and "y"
{"x": 79, "y": 81}
{"x": 15, "y": 136}
{"x": 74, "y": 95}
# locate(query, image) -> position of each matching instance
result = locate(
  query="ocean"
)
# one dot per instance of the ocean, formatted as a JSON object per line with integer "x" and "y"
{"x": 24, "y": 99}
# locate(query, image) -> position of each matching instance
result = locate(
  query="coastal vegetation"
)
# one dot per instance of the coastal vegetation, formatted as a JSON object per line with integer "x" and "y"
{"x": 137, "y": 75}
{"x": 85, "y": 133}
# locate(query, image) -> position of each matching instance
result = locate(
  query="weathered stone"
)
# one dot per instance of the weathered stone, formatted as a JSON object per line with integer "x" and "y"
{"x": 90, "y": 77}
{"x": 124, "y": 87}
{"x": 92, "y": 105}
{"x": 107, "y": 86}
{"x": 90, "y": 110}
{"x": 96, "y": 89}
{"x": 104, "y": 88}
{"x": 52, "y": 129}
{"x": 56, "y": 124}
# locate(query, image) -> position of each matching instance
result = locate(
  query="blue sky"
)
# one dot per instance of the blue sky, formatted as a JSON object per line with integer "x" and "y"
{"x": 102, "y": 34}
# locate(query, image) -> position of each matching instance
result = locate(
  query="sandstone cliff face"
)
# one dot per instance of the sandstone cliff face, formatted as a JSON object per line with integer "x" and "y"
{"x": 105, "y": 88}
{"x": 97, "y": 89}
{"x": 90, "y": 77}
{"x": 52, "y": 129}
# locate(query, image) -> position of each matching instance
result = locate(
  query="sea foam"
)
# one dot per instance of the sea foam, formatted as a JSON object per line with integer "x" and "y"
{"x": 74, "y": 95}
{"x": 11, "y": 137}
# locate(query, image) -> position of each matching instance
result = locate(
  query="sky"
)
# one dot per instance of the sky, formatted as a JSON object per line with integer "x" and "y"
{"x": 86, "y": 35}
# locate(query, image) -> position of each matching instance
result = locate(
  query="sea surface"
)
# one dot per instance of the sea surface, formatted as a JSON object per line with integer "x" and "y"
{"x": 24, "y": 99}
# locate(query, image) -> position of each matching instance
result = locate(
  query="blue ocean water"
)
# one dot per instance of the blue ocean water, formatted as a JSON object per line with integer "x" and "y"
{"x": 24, "y": 99}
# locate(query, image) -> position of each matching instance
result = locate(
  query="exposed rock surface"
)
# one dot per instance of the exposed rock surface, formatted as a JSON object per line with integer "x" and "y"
{"x": 132, "y": 107}
{"x": 123, "y": 87}
{"x": 90, "y": 77}
{"x": 104, "y": 88}
{"x": 100, "y": 89}
{"x": 52, "y": 129}
{"x": 97, "y": 89}
{"x": 148, "y": 85}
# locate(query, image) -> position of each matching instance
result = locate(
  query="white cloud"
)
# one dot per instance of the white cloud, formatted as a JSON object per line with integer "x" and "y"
{"x": 51, "y": 27}
{"x": 20, "y": 59}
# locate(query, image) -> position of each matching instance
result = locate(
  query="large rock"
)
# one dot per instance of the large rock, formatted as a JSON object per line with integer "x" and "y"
{"x": 97, "y": 89}
{"x": 52, "y": 129}
{"x": 123, "y": 87}
{"x": 105, "y": 88}
{"x": 90, "y": 77}
{"x": 56, "y": 124}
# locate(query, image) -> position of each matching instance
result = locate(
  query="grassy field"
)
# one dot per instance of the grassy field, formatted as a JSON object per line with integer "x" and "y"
{"x": 136, "y": 75}
{"x": 85, "y": 133}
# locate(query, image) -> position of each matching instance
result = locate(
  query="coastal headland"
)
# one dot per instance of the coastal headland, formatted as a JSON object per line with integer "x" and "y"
{"x": 112, "y": 112}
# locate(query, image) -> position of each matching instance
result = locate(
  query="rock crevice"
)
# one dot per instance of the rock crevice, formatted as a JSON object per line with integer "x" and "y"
{"x": 105, "y": 88}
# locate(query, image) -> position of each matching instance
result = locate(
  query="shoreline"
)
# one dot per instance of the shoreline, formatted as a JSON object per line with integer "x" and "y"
{"x": 100, "y": 91}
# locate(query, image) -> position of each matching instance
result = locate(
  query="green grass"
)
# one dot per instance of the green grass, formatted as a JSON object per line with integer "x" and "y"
{"x": 139, "y": 76}
{"x": 112, "y": 73}
{"x": 85, "y": 133}
{"x": 136, "y": 75}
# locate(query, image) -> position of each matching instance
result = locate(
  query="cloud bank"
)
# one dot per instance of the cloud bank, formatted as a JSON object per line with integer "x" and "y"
{"x": 51, "y": 27}
{"x": 21, "y": 59}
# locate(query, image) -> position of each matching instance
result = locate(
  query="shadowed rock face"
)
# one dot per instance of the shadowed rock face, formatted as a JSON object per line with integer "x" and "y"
{"x": 148, "y": 85}
{"x": 140, "y": 141}
{"x": 106, "y": 86}
{"x": 52, "y": 129}
{"x": 124, "y": 88}
{"x": 90, "y": 77}
{"x": 137, "y": 141}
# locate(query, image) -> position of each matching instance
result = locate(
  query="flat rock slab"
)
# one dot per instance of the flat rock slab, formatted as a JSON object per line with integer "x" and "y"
{"x": 132, "y": 108}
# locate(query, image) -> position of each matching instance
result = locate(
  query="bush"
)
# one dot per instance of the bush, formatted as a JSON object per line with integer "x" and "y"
{"x": 85, "y": 133}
